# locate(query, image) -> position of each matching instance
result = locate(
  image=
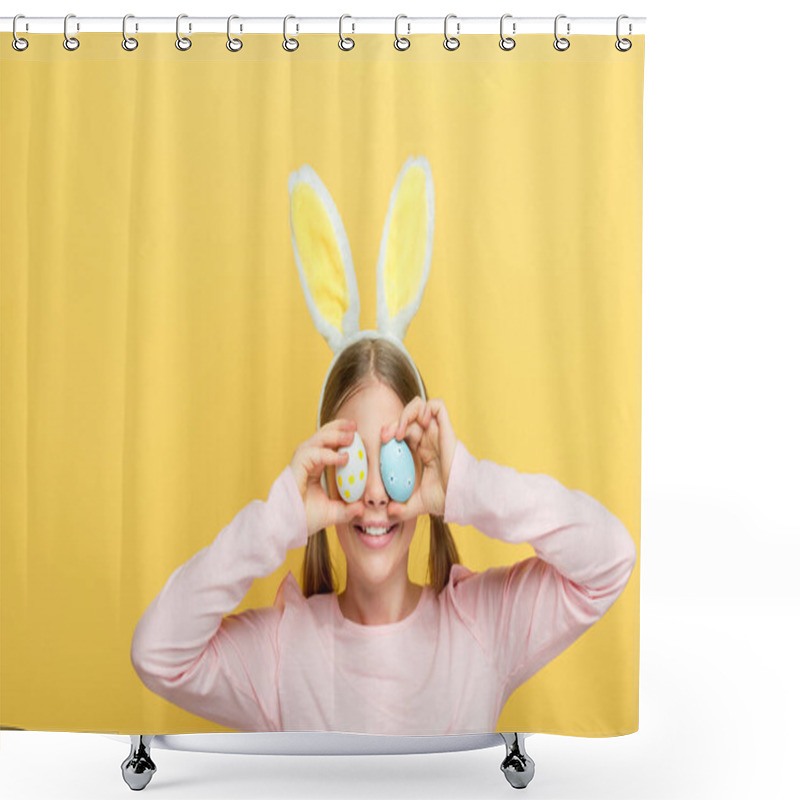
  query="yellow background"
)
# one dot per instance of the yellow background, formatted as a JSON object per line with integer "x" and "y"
{"x": 159, "y": 365}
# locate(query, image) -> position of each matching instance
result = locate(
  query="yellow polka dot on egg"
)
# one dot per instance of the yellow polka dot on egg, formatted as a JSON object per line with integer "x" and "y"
{"x": 360, "y": 454}
{"x": 340, "y": 480}
{"x": 351, "y": 479}
{"x": 361, "y": 475}
{"x": 346, "y": 493}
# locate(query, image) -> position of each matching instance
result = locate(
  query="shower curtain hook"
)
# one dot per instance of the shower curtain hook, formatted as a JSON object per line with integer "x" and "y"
{"x": 342, "y": 39}
{"x": 182, "y": 42}
{"x": 506, "y": 42}
{"x": 234, "y": 45}
{"x": 128, "y": 42}
{"x": 397, "y": 38}
{"x": 451, "y": 42}
{"x": 70, "y": 42}
{"x": 618, "y": 44}
{"x": 18, "y": 43}
{"x": 294, "y": 43}
{"x": 560, "y": 40}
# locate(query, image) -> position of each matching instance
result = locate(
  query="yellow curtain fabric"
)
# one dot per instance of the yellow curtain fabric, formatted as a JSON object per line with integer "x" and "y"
{"x": 159, "y": 366}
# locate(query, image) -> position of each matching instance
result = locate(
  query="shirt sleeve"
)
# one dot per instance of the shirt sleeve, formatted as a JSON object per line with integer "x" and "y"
{"x": 184, "y": 648}
{"x": 524, "y": 615}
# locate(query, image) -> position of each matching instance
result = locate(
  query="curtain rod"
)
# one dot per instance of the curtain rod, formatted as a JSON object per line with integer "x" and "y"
{"x": 408, "y": 26}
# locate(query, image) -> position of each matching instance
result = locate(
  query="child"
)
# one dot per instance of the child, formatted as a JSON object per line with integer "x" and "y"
{"x": 385, "y": 655}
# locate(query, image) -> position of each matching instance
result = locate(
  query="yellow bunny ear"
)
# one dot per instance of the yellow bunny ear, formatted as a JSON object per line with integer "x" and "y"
{"x": 323, "y": 257}
{"x": 405, "y": 255}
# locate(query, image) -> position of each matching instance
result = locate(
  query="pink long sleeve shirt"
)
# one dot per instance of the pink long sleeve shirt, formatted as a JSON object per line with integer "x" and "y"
{"x": 446, "y": 668}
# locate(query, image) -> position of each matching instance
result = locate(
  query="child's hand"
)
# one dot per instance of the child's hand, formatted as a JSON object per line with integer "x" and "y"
{"x": 309, "y": 462}
{"x": 427, "y": 430}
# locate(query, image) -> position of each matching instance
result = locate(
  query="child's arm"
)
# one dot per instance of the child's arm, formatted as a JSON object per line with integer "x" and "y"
{"x": 185, "y": 649}
{"x": 526, "y": 614}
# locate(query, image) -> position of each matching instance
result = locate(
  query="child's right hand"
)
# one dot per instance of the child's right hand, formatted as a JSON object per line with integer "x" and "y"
{"x": 309, "y": 462}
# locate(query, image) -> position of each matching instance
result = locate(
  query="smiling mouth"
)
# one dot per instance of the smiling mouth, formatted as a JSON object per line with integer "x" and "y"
{"x": 371, "y": 530}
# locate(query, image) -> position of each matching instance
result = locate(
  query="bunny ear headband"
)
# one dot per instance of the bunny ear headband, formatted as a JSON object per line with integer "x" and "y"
{"x": 325, "y": 264}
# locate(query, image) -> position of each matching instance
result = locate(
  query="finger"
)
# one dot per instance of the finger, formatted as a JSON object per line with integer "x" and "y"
{"x": 439, "y": 411}
{"x": 336, "y": 433}
{"x": 317, "y": 458}
{"x": 433, "y": 407}
{"x": 397, "y": 428}
{"x": 413, "y": 436}
{"x": 328, "y": 440}
{"x": 388, "y": 431}
{"x": 444, "y": 434}
{"x": 432, "y": 417}
{"x": 414, "y": 411}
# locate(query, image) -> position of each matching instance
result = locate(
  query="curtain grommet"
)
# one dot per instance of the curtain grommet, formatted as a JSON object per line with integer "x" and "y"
{"x": 345, "y": 42}
{"x": 17, "y": 42}
{"x": 561, "y": 43}
{"x": 623, "y": 48}
{"x": 507, "y": 42}
{"x": 406, "y": 43}
{"x": 451, "y": 42}
{"x": 183, "y": 43}
{"x": 233, "y": 45}
{"x": 70, "y": 42}
{"x": 129, "y": 43}
{"x": 290, "y": 44}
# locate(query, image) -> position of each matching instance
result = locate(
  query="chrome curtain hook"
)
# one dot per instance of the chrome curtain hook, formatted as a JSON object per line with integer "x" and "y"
{"x": 506, "y": 42}
{"x": 182, "y": 42}
{"x": 451, "y": 42}
{"x": 287, "y": 40}
{"x": 128, "y": 42}
{"x": 234, "y": 45}
{"x": 345, "y": 42}
{"x": 70, "y": 42}
{"x": 17, "y": 42}
{"x": 560, "y": 43}
{"x": 400, "y": 42}
{"x": 623, "y": 48}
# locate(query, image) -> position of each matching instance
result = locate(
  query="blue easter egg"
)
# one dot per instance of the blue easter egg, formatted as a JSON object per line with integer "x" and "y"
{"x": 397, "y": 469}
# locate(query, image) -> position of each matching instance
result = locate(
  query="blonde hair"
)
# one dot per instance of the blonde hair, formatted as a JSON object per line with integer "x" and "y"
{"x": 364, "y": 360}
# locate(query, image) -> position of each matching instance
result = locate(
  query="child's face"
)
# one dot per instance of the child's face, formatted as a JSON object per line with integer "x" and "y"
{"x": 372, "y": 407}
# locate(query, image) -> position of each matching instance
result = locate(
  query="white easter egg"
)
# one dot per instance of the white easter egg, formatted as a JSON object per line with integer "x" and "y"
{"x": 351, "y": 478}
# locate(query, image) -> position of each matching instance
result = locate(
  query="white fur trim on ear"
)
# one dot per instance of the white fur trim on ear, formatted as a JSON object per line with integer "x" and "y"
{"x": 349, "y": 322}
{"x": 398, "y": 324}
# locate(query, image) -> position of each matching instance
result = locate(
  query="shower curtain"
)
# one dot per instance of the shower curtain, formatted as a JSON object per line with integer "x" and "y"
{"x": 190, "y": 239}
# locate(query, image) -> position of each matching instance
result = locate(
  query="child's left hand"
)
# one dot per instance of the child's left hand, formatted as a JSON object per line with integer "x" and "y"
{"x": 430, "y": 436}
